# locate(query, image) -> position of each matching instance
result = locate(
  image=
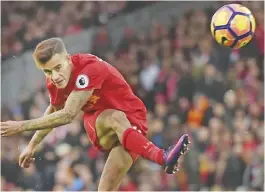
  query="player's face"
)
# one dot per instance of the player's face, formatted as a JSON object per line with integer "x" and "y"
{"x": 58, "y": 69}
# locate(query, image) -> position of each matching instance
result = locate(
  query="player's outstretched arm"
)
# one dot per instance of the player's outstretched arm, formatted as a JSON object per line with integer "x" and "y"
{"x": 73, "y": 105}
{"x": 41, "y": 134}
{"x": 26, "y": 157}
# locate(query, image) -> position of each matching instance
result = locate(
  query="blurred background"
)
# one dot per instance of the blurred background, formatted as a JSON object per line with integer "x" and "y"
{"x": 165, "y": 51}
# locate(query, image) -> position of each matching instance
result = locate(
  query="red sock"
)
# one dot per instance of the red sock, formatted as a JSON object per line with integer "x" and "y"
{"x": 139, "y": 144}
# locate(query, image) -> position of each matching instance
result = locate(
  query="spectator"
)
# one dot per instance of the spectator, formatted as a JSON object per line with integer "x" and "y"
{"x": 24, "y": 27}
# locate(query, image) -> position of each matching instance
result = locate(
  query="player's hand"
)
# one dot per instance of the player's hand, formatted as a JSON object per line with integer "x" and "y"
{"x": 9, "y": 128}
{"x": 26, "y": 157}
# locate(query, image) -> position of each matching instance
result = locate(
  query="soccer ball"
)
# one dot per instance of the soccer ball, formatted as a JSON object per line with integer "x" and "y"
{"x": 233, "y": 26}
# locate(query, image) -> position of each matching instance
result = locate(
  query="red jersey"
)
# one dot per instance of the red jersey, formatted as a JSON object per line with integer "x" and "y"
{"x": 111, "y": 91}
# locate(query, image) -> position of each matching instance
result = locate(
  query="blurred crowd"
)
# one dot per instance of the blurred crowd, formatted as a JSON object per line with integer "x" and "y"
{"x": 26, "y": 23}
{"x": 189, "y": 85}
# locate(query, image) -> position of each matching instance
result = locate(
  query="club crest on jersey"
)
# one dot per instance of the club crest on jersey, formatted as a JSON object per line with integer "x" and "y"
{"x": 82, "y": 81}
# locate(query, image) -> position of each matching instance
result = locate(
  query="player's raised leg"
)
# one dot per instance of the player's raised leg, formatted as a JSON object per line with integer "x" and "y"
{"x": 117, "y": 165}
{"x": 119, "y": 160}
{"x": 134, "y": 141}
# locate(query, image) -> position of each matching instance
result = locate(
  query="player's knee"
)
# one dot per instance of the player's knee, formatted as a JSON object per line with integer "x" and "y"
{"x": 118, "y": 171}
{"x": 119, "y": 121}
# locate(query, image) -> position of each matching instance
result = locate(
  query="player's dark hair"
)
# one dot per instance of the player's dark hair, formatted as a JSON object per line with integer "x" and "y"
{"x": 46, "y": 49}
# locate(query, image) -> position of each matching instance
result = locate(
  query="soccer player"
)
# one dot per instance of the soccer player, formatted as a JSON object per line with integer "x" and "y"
{"x": 114, "y": 118}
